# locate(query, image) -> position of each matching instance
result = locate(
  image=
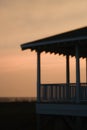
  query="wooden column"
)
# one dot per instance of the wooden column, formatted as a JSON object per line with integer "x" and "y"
{"x": 67, "y": 75}
{"x": 77, "y": 75}
{"x": 86, "y": 70}
{"x": 38, "y": 76}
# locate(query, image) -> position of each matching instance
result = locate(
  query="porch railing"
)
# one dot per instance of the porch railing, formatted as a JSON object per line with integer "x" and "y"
{"x": 62, "y": 92}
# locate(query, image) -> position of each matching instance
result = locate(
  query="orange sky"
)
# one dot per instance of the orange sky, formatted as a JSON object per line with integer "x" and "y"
{"x": 25, "y": 20}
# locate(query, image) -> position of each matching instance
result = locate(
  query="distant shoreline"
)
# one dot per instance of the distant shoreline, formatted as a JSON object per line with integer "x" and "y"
{"x": 17, "y": 99}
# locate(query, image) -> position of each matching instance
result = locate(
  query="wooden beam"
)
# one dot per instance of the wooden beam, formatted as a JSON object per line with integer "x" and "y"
{"x": 86, "y": 70}
{"x": 38, "y": 76}
{"x": 67, "y": 75}
{"x": 67, "y": 70}
{"x": 77, "y": 75}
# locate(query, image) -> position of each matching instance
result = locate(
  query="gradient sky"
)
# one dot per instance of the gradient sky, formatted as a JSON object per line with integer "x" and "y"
{"x": 26, "y": 20}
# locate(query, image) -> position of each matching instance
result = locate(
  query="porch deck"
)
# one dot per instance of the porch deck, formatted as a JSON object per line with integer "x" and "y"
{"x": 62, "y": 93}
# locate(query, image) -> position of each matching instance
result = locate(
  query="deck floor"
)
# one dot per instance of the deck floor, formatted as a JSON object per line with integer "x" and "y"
{"x": 62, "y": 108}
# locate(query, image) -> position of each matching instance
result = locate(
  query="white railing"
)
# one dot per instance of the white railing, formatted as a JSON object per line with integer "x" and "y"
{"x": 62, "y": 92}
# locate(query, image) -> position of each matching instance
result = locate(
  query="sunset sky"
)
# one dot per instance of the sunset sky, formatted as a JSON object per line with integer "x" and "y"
{"x": 26, "y": 20}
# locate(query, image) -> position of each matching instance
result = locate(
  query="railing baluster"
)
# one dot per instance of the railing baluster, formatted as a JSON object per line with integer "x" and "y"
{"x": 51, "y": 92}
{"x": 63, "y": 93}
{"x": 45, "y": 92}
{"x": 56, "y": 93}
{"x": 86, "y": 92}
{"x": 59, "y": 92}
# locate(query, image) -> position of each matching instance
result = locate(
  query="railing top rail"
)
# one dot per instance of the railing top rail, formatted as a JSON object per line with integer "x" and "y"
{"x": 54, "y": 84}
{"x": 63, "y": 84}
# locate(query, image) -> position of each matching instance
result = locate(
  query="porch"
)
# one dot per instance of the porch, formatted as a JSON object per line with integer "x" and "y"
{"x": 65, "y": 98}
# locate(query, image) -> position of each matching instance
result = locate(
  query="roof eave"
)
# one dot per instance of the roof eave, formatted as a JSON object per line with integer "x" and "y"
{"x": 38, "y": 43}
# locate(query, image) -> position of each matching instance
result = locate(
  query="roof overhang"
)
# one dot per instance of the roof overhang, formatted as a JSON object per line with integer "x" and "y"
{"x": 62, "y": 44}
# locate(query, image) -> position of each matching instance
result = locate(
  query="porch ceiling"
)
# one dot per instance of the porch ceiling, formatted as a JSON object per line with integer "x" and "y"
{"x": 62, "y": 43}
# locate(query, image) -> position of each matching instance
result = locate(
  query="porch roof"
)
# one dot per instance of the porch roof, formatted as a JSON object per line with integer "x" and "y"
{"x": 63, "y": 43}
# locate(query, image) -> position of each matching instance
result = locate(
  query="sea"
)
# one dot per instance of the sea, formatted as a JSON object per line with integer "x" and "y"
{"x": 17, "y": 99}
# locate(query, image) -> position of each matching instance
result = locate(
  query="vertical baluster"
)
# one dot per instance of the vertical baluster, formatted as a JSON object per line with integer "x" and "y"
{"x": 48, "y": 92}
{"x": 56, "y": 92}
{"x": 86, "y": 93}
{"x": 63, "y": 92}
{"x": 45, "y": 92}
{"x": 51, "y": 92}
{"x": 66, "y": 92}
{"x": 73, "y": 92}
{"x": 70, "y": 92}
{"x": 41, "y": 92}
{"x": 59, "y": 92}
{"x": 82, "y": 94}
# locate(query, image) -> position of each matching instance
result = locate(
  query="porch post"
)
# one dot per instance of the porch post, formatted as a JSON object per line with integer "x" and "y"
{"x": 67, "y": 75}
{"x": 86, "y": 69}
{"x": 38, "y": 76}
{"x": 77, "y": 75}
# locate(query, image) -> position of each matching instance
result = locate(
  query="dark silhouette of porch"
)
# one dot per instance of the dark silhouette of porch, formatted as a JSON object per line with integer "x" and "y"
{"x": 65, "y": 99}
{"x": 72, "y": 43}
